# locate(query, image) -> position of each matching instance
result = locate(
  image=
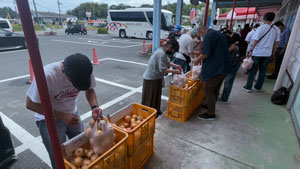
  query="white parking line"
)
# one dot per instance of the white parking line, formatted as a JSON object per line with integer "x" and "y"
{"x": 115, "y": 84}
{"x": 92, "y": 44}
{"x": 14, "y": 78}
{"x": 127, "y": 61}
{"x": 106, "y": 40}
{"x": 34, "y": 144}
{"x": 23, "y": 50}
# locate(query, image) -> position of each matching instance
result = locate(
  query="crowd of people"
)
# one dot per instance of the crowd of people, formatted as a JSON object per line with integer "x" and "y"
{"x": 220, "y": 58}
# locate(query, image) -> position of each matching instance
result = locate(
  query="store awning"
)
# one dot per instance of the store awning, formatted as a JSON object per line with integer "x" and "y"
{"x": 244, "y": 3}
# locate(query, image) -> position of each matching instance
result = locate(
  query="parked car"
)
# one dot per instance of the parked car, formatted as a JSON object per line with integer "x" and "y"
{"x": 5, "y": 24}
{"x": 10, "y": 40}
{"x": 7, "y": 151}
{"x": 76, "y": 29}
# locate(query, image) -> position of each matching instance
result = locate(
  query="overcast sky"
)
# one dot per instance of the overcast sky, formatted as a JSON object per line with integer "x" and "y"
{"x": 51, "y": 5}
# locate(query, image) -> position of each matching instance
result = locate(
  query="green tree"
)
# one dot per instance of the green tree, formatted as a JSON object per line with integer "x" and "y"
{"x": 146, "y": 6}
{"x": 120, "y": 6}
{"x": 7, "y": 10}
{"x": 97, "y": 10}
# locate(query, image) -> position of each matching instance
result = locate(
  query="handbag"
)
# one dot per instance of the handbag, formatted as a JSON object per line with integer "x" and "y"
{"x": 247, "y": 63}
{"x": 281, "y": 96}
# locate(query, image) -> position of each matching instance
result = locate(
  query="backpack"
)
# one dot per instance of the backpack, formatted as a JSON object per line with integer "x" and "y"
{"x": 281, "y": 96}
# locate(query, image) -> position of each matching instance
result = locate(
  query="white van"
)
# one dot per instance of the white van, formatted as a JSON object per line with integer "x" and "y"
{"x": 5, "y": 24}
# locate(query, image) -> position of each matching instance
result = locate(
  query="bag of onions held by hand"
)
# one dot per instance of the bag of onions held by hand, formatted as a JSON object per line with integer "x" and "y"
{"x": 101, "y": 136}
{"x": 179, "y": 80}
{"x": 196, "y": 72}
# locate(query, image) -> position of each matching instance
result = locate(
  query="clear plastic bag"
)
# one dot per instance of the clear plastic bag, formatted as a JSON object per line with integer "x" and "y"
{"x": 247, "y": 63}
{"x": 179, "y": 80}
{"x": 102, "y": 140}
{"x": 196, "y": 72}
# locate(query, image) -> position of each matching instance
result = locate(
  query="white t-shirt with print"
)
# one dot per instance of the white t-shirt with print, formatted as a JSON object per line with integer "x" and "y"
{"x": 249, "y": 38}
{"x": 63, "y": 95}
{"x": 264, "y": 48}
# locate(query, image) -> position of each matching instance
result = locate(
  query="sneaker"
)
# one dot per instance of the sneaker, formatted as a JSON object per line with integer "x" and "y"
{"x": 256, "y": 89}
{"x": 247, "y": 90}
{"x": 205, "y": 116}
{"x": 221, "y": 101}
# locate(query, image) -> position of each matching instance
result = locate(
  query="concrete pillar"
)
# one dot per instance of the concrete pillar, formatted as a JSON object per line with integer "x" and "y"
{"x": 156, "y": 24}
{"x": 179, "y": 11}
{"x": 213, "y": 13}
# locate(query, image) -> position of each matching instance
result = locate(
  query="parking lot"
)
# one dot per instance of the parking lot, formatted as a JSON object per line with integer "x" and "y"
{"x": 119, "y": 83}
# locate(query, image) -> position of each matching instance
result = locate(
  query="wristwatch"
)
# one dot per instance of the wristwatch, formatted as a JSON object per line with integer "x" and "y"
{"x": 94, "y": 107}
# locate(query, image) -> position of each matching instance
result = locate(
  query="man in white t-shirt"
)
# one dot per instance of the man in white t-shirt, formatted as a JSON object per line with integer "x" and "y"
{"x": 214, "y": 26}
{"x": 266, "y": 39}
{"x": 186, "y": 48}
{"x": 249, "y": 36}
{"x": 64, "y": 80}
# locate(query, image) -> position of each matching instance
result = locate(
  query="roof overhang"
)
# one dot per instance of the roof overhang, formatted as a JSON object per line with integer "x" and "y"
{"x": 244, "y": 3}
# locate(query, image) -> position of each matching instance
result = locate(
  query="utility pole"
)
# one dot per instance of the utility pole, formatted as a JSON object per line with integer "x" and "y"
{"x": 58, "y": 3}
{"x": 15, "y": 6}
{"x": 36, "y": 13}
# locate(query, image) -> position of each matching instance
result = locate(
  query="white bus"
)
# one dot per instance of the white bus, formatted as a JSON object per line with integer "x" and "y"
{"x": 137, "y": 22}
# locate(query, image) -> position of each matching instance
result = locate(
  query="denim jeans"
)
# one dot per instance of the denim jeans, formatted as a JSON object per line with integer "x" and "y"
{"x": 62, "y": 130}
{"x": 228, "y": 82}
{"x": 180, "y": 62}
{"x": 260, "y": 63}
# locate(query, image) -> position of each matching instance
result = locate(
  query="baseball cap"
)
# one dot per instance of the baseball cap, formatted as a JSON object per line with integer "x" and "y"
{"x": 78, "y": 68}
{"x": 177, "y": 28}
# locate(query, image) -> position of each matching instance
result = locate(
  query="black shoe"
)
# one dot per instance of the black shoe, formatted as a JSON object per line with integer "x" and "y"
{"x": 204, "y": 106}
{"x": 205, "y": 116}
{"x": 271, "y": 77}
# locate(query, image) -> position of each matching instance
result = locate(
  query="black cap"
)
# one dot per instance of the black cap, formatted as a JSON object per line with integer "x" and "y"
{"x": 78, "y": 68}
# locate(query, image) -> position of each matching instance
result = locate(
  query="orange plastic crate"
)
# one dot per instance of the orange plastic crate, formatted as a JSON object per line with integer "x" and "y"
{"x": 141, "y": 133}
{"x": 181, "y": 113}
{"x": 142, "y": 155}
{"x": 183, "y": 96}
{"x": 114, "y": 158}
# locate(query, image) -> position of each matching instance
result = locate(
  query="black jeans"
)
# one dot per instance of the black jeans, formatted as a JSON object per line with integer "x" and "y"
{"x": 278, "y": 61}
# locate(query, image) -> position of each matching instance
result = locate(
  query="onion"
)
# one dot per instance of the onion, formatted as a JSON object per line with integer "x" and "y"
{"x": 78, "y": 162}
{"x": 133, "y": 125}
{"x": 127, "y": 119}
{"x": 138, "y": 122}
{"x": 122, "y": 126}
{"x": 86, "y": 162}
{"x": 90, "y": 153}
{"x": 99, "y": 126}
{"x": 128, "y": 129}
{"x": 79, "y": 152}
{"x": 94, "y": 157}
{"x": 134, "y": 117}
{"x": 140, "y": 118}
{"x": 126, "y": 125}
{"x": 88, "y": 131}
{"x": 92, "y": 122}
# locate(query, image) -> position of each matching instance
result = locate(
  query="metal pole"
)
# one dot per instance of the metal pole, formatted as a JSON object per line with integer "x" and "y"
{"x": 179, "y": 12}
{"x": 58, "y": 3}
{"x": 36, "y": 13}
{"x": 230, "y": 27}
{"x": 34, "y": 53}
{"x": 156, "y": 24}
{"x": 213, "y": 12}
{"x": 206, "y": 13}
{"x": 247, "y": 11}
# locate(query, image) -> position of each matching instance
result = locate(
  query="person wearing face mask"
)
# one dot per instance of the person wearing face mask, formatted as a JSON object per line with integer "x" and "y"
{"x": 186, "y": 50}
{"x": 153, "y": 76}
{"x": 216, "y": 64}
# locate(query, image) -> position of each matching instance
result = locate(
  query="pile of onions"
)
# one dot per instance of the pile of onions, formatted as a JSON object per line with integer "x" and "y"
{"x": 82, "y": 157}
{"x": 130, "y": 122}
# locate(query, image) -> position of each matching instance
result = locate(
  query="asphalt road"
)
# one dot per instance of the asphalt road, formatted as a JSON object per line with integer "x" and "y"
{"x": 119, "y": 81}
